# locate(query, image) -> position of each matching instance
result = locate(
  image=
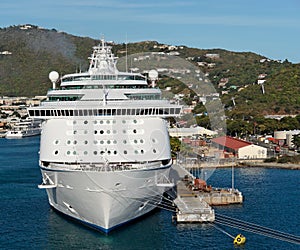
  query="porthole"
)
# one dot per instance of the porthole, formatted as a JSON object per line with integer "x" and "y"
{"x": 95, "y": 142}
{"x": 124, "y": 131}
{"x": 101, "y": 122}
{"x": 75, "y": 142}
{"x": 74, "y": 152}
{"x": 142, "y": 151}
{"x": 101, "y": 132}
{"x": 153, "y": 140}
{"x": 85, "y": 142}
{"x": 56, "y": 141}
{"x": 114, "y": 121}
{"x": 114, "y": 141}
{"x": 108, "y": 131}
{"x": 68, "y": 152}
{"x": 74, "y": 122}
{"x": 108, "y": 141}
{"x": 136, "y": 152}
{"x": 123, "y": 121}
{"x": 134, "y": 131}
{"x": 68, "y": 142}
{"x": 108, "y": 122}
{"x": 102, "y": 152}
{"x": 134, "y": 121}
{"x": 95, "y": 122}
{"x": 85, "y": 122}
{"x": 56, "y": 152}
{"x": 74, "y": 132}
{"x": 135, "y": 141}
{"x": 124, "y": 141}
{"x": 125, "y": 152}
{"x": 115, "y": 152}
{"x": 95, "y": 152}
{"x": 85, "y": 132}
{"x": 114, "y": 131}
{"x": 85, "y": 152}
{"x": 141, "y": 141}
{"x": 101, "y": 142}
{"x": 108, "y": 152}
{"x": 95, "y": 132}
{"x": 154, "y": 151}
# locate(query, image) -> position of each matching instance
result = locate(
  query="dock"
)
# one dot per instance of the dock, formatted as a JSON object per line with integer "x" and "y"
{"x": 191, "y": 207}
{"x": 195, "y": 198}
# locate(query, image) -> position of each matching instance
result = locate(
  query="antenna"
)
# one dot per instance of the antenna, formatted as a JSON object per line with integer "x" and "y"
{"x": 126, "y": 54}
{"x": 53, "y": 76}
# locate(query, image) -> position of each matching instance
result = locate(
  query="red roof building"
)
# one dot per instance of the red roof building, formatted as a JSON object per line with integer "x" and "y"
{"x": 239, "y": 148}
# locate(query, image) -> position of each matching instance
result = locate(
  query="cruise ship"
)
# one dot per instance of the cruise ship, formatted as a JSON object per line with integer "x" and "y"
{"x": 104, "y": 150}
{"x": 24, "y": 128}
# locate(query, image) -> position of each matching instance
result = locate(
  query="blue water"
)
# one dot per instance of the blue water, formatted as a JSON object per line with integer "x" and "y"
{"x": 272, "y": 199}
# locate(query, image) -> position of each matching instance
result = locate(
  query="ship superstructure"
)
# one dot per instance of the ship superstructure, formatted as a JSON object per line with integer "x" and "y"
{"x": 104, "y": 150}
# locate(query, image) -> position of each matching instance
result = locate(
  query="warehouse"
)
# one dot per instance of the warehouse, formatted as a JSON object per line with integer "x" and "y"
{"x": 233, "y": 147}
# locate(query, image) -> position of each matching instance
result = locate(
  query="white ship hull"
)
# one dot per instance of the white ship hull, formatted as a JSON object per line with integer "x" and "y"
{"x": 105, "y": 200}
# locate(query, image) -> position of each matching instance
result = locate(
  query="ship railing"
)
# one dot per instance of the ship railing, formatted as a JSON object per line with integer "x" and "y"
{"x": 103, "y": 167}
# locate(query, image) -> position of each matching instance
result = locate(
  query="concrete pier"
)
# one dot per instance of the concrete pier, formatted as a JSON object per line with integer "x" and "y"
{"x": 195, "y": 198}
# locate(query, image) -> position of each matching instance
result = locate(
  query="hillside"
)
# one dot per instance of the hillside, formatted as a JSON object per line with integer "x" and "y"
{"x": 29, "y": 53}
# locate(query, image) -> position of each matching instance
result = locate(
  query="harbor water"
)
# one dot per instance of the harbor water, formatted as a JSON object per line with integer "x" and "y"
{"x": 272, "y": 199}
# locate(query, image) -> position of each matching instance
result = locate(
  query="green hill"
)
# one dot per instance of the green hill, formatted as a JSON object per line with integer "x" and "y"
{"x": 27, "y": 55}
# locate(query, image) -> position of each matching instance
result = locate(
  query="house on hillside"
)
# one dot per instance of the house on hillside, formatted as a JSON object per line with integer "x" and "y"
{"x": 233, "y": 147}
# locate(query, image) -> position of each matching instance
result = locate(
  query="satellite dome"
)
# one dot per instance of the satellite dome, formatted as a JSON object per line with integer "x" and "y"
{"x": 53, "y": 76}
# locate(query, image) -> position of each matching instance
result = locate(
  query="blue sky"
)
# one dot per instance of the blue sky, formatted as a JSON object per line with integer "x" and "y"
{"x": 268, "y": 27}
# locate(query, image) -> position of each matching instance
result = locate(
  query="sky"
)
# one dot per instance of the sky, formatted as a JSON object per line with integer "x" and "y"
{"x": 270, "y": 28}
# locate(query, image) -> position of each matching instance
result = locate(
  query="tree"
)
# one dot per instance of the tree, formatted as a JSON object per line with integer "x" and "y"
{"x": 296, "y": 141}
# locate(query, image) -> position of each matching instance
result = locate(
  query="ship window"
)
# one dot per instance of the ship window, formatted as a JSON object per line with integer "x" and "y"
{"x": 101, "y": 132}
{"x": 108, "y": 122}
{"x": 85, "y": 122}
{"x": 62, "y": 112}
{"x": 108, "y": 112}
{"x": 115, "y": 142}
{"x": 68, "y": 142}
{"x": 101, "y": 142}
{"x": 108, "y": 152}
{"x": 74, "y": 122}
{"x": 102, "y": 152}
{"x": 125, "y": 152}
{"x": 124, "y": 141}
{"x": 90, "y": 112}
{"x": 134, "y": 131}
{"x": 95, "y": 142}
{"x": 85, "y": 132}
{"x": 76, "y": 112}
{"x": 85, "y": 142}
{"x": 136, "y": 152}
{"x": 52, "y": 112}
{"x": 134, "y": 121}
{"x": 95, "y": 152}
{"x": 74, "y": 152}
{"x": 85, "y": 112}
{"x": 42, "y": 112}
{"x": 108, "y": 141}
{"x": 123, "y": 111}
{"x": 68, "y": 152}
{"x": 141, "y": 141}
{"x": 75, "y": 142}
{"x": 154, "y": 151}
{"x": 47, "y": 112}
{"x": 101, "y": 122}
{"x": 56, "y": 152}
{"x": 135, "y": 141}
{"x": 56, "y": 141}
{"x": 124, "y": 131}
{"x": 67, "y": 112}
{"x": 95, "y": 132}
{"x": 172, "y": 111}
{"x": 95, "y": 122}
{"x": 124, "y": 121}
{"x": 80, "y": 112}
{"x": 177, "y": 110}
{"x": 108, "y": 131}
{"x": 85, "y": 152}
{"x": 118, "y": 111}
{"x": 71, "y": 112}
{"x": 142, "y": 151}
{"x": 114, "y": 131}
{"x": 115, "y": 152}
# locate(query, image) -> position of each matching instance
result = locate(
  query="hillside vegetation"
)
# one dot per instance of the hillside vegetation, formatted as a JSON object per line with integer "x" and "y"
{"x": 28, "y": 55}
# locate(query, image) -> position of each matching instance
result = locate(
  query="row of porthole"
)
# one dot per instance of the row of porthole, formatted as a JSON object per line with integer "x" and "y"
{"x": 135, "y": 141}
{"x": 108, "y": 152}
{"x": 108, "y": 122}
{"x": 101, "y": 132}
